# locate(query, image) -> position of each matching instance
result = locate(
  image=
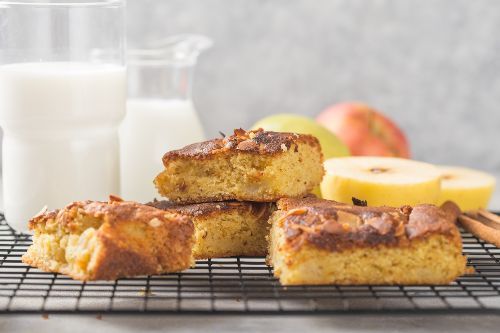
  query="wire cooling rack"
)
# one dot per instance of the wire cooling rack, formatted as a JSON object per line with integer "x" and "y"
{"x": 236, "y": 286}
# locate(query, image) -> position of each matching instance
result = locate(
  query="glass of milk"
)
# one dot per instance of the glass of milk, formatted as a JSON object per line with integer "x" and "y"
{"x": 62, "y": 98}
{"x": 160, "y": 113}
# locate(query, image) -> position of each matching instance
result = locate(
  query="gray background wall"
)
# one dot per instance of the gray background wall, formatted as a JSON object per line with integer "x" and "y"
{"x": 433, "y": 66}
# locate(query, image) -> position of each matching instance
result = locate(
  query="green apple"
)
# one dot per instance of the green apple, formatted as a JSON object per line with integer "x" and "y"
{"x": 285, "y": 122}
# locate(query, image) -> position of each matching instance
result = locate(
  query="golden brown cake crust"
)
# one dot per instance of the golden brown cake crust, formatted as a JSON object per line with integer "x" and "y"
{"x": 133, "y": 239}
{"x": 255, "y": 141}
{"x": 336, "y": 226}
{"x": 209, "y": 208}
{"x": 116, "y": 211}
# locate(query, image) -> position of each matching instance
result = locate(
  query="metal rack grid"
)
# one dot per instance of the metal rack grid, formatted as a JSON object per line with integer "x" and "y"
{"x": 236, "y": 286}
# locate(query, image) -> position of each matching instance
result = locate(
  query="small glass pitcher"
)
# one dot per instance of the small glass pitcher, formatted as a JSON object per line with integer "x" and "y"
{"x": 160, "y": 113}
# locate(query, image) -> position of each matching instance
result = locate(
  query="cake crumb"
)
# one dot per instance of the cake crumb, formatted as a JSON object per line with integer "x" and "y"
{"x": 155, "y": 222}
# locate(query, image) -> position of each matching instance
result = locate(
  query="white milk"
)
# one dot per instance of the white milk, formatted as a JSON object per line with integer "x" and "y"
{"x": 150, "y": 129}
{"x": 60, "y": 123}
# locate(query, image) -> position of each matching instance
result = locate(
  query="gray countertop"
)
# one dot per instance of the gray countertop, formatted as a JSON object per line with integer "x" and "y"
{"x": 343, "y": 323}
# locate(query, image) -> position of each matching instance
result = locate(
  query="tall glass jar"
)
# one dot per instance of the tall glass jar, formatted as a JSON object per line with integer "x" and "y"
{"x": 62, "y": 97}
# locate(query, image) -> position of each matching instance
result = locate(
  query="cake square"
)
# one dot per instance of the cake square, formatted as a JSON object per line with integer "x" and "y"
{"x": 226, "y": 228}
{"x": 315, "y": 241}
{"x": 91, "y": 240}
{"x": 247, "y": 166}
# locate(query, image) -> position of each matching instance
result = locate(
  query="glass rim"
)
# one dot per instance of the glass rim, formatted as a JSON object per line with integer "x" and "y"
{"x": 64, "y": 3}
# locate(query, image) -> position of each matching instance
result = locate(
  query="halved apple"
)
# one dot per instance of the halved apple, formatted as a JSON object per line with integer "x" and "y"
{"x": 469, "y": 189}
{"x": 381, "y": 181}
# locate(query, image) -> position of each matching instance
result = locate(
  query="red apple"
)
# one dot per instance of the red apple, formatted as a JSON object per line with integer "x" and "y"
{"x": 364, "y": 130}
